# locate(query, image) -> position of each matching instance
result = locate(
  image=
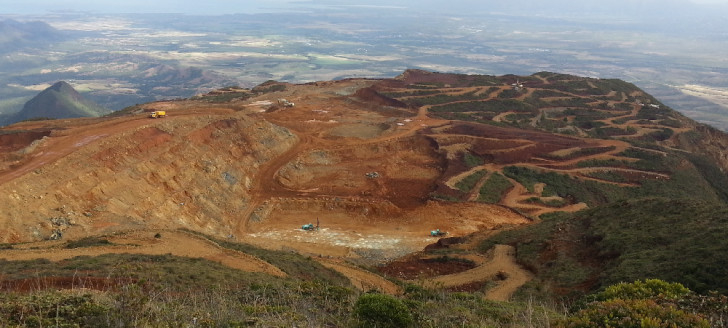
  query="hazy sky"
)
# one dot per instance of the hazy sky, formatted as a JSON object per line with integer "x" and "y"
{"x": 222, "y": 6}
{"x": 139, "y": 6}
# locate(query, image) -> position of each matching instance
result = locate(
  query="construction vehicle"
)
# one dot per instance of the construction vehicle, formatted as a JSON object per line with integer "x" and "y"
{"x": 285, "y": 103}
{"x": 310, "y": 226}
{"x": 437, "y": 233}
{"x": 158, "y": 114}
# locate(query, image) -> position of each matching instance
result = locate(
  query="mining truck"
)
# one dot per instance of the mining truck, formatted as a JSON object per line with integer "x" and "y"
{"x": 158, "y": 114}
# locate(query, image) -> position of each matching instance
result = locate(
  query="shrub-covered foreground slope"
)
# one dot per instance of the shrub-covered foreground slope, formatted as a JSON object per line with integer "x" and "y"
{"x": 136, "y": 290}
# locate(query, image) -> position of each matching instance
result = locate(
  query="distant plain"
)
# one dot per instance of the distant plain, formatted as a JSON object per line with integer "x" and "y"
{"x": 119, "y": 60}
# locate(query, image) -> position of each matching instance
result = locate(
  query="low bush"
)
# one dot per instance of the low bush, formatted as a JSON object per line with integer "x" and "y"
{"x": 640, "y": 290}
{"x": 382, "y": 311}
{"x": 51, "y": 309}
{"x": 632, "y": 314}
{"x": 88, "y": 242}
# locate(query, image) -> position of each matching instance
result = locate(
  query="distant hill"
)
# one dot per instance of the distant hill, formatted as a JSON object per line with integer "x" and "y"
{"x": 14, "y": 34}
{"x": 60, "y": 100}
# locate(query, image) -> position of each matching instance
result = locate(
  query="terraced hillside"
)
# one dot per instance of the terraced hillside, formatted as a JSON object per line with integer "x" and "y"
{"x": 374, "y": 165}
{"x": 552, "y": 142}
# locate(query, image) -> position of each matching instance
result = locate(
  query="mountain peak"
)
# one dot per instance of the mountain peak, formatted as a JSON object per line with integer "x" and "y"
{"x": 60, "y": 86}
{"x": 60, "y": 100}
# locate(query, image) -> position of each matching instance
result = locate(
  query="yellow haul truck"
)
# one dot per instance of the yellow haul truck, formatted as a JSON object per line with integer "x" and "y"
{"x": 158, "y": 113}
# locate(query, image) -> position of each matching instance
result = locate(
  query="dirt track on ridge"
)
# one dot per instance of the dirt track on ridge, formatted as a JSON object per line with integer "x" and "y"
{"x": 500, "y": 261}
{"x": 363, "y": 280}
{"x": 143, "y": 242}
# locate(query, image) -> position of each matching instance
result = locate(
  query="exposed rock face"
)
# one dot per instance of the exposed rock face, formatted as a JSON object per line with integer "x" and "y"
{"x": 183, "y": 173}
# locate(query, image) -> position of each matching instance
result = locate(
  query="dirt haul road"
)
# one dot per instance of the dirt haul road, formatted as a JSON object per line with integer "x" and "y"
{"x": 500, "y": 267}
{"x": 144, "y": 242}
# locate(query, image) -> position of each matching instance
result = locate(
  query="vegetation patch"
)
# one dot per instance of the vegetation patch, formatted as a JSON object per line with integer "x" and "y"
{"x": 88, "y": 242}
{"x": 569, "y": 102}
{"x": 660, "y": 135}
{"x": 396, "y": 95}
{"x": 579, "y": 152}
{"x": 632, "y": 313}
{"x": 674, "y": 240}
{"x": 653, "y": 113}
{"x": 550, "y": 202}
{"x": 509, "y": 94}
{"x": 469, "y": 182}
{"x": 437, "y": 99}
{"x": 492, "y": 191}
{"x": 650, "y": 160}
{"x": 712, "y": 174}
{"x": 426, "y": 85}
{"x": 612, "y": 162}
{"x": 587, "y": 114}
{"x": 590, "y": 192}
{"x": 684, "y": 183}
{"x": 609, "y": 176}
{"x": 378, "y": 310}
{"x": 472, "y": 160}
{"x": 495, "y": 105}
{"x": 292, "y": 264}
{"x": 547, "y": 93}
{"x": 612, "y": 131}
{"x": 225, "y": 97}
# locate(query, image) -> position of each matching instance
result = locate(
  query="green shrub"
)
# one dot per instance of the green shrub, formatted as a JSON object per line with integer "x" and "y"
{"x": 647, "y": 289}
{"x": 53, "y": 309}
{"x": 632, "y": 313}
{"x": 382, "y": 311}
